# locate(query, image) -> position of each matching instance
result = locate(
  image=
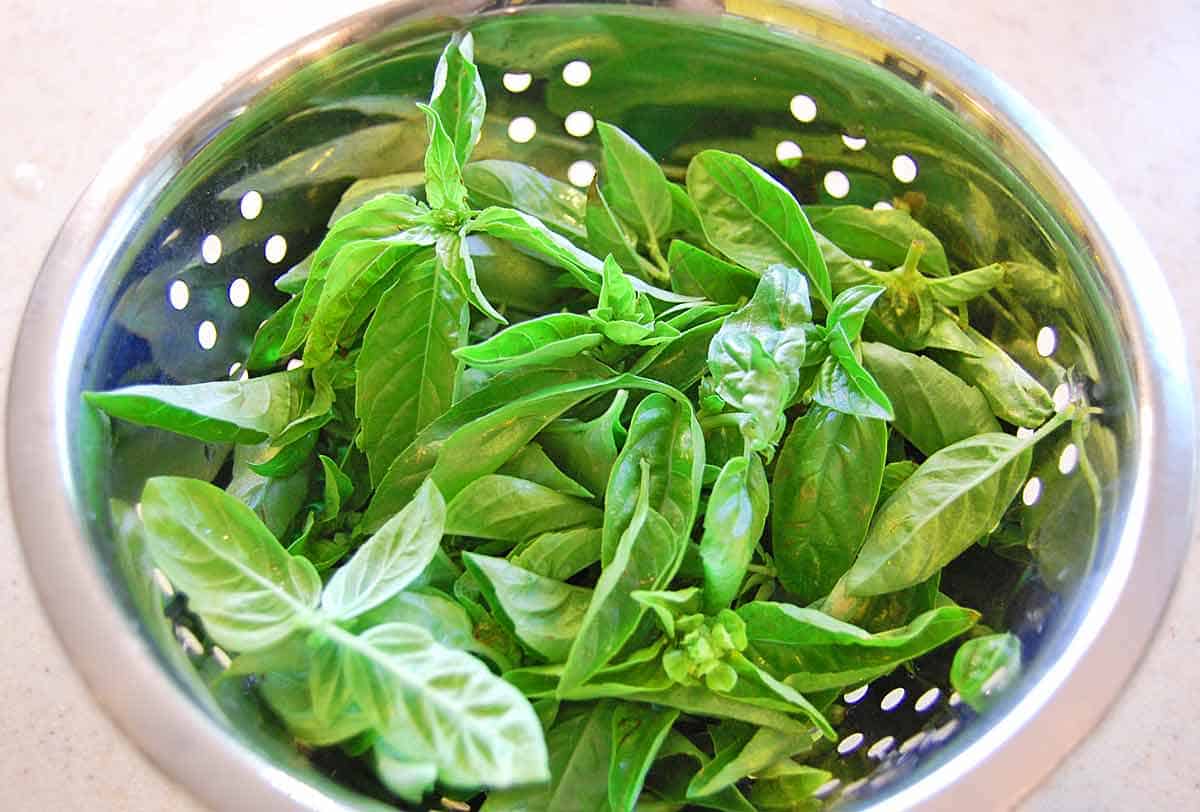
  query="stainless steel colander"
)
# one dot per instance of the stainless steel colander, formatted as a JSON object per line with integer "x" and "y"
{"x": 166, "y": 267}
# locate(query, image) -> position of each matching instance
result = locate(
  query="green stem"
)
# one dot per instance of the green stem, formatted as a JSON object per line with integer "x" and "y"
{"x": 659, "y": 260}
{"x": 723, "y": 420}
{"x": 916, "y": 250}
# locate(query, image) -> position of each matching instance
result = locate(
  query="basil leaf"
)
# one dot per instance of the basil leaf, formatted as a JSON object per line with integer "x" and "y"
{"x": 955, "y": 496}
{"x": 405, "y": 372}
{"x": 510, "y": 509}
{"x": 454, "y": 259}
{"x": 275, "y": 500}
{"x": 844, "y": 386}
{"x": 435, "y": 612}
{"x": 733, "y": 524}
{"x": 390, "y": 560}
{"x": 538, "y": 341}
{"x": 532, "y": 464}
{"x": 961, "y": 288}
{"x": 514, "y": 185}
{"x": 634, "y": 184}
{"x": 458, "y": 97}
{"x": 443, "y": 172}
{"x": 815, "y": 652}
{"x": 647, "y": 555}
{"x": 577, "y": 744}
{"x": 743, "y": 758}
{"x": 788, "y": 787}
{"x": 353, "y": 273}
{"x": 698, "y": 273}
{"x": 408, "y": 779}
{"x": 278, "y": 462}
{"x": 266, "y": 350}
{"x": 882, "y": 236}
{"x": 985, "y": 667}
{"x": 776, "y": 315}
{"x": 933, "y": 407}
{"x": 682, "y": 361}
{"x": 638, "y": 734}
{"x": 824, "y": 490}
{"x": 250, "y": 593}
{"x": 698, "y": 700}
{"x": 752, "y": 219}
{"x": 587, "y": 449}
{"x": 337, "y": 488}
{"x": 778, "y": 694}
{"x": 670, "y": 777}
{"x": 246, "y": 411}
{"x": 389, "y": 217}
{"x": 561, "y": 554}
{"x": 1014, "y": 395}
{"x": 606, "y": 234}
{"x": 542, "y": 613}
{"x": 475, "y": 727}
{"x": 850, "y": 309}
{"x": 894, "y": 474}
{"x": 665, "y": 442}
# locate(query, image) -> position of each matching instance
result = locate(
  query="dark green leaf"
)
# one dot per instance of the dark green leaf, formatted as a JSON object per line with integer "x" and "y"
{"x": 733, "y": 524}
{"x": 532, "y": 464}
{"x": 665, "y": 439}
{"x": 587, "y": 449}
{"x": 606, "y": 234}
{"x": 454, "y": 260}
{"x": 337, "y": 488}
{"x": 824, "y": 489}
{"x": 266, "y": 351}
{"x": 698, "y": 273}
{"x": 275, "y": 500}
{"x": 406, "y": 369}
{"x": 894, "y": 474}
{"x": 933, "y": 407}
{"x": 844, "y": 386}
{"x": 1014, "y": 395}
{"x": 752, "y": 219}
{"x": 638, "y": 734}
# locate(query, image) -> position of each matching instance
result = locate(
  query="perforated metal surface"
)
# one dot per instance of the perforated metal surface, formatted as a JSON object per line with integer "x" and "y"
{"x": 182, "y": 297}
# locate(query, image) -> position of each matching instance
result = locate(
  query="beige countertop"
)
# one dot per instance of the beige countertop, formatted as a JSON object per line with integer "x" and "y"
{"x": 1121, "y": 79}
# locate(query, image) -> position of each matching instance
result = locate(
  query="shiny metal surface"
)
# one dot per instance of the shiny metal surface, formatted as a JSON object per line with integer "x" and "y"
{"x": 988, "y": 765}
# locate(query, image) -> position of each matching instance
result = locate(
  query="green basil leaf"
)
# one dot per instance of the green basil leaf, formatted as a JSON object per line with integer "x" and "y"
{"x": 669, "y": 604}
{"x": 390, "y": 560}
{"x": 933, "y": 407}
{"x": 587, "y": 450}
{"x": 984, "y": 667}
{"x": 317, "y": 412}
{"x": 353, "y": 273}
{"x": 882, "y": 236}
{"x": 475, "y": 727}
{"x": 266, "y": 350}
{"x": 844, "y": 386}
{"x": 246, "y": 411}
{"x": 698, "y": 273}
{"x": 788, "y": 787}
{"x": 577, "y": 744}
{"x": 454, "y": 260}
{"x": 538, "y": 341}
{"x": 458, "y": 97}
{"x": 945, "y": 334}
{"x": 778, "y": 694}
{"x": 435, "y": 612}
{"x": 670, "y": 776}
{"x": 776, "y": 315}
{"x": 815, "y": 652}
{"x": 881, "y": 613}
{"x": 337, "y": 488}
{"x": 405, "y": 372}
{"x": 824, "y": 490}
{"x": 411, "y": 780}
{"x": 752, "y": 219}
{"x": 894, "y": 474}
{"x": 638, "y": 734}
{"x": 618, "y": 300}
{"x": 532, "y": 464}
{"x": 561, "y": 554}
{"x": 961, "y": 288}
{"x": 542, "y": 613}
{"x": 634, "y": 184}
{"x": 275, "y": 500}
{"x": 954, "y": 498}
{"x": 850, "y": 309}
{"x": 685, "y": 218}
{"x": 698, "y": 700}
{"x": 733, "y": 524}
{"x": 250, "y": 593}
{"x": 514, "y": 280}
{"x": 443, "y": 173}
{"x": 1014, "y": 395}
{"x": 606, "y": 234}
{"x": 389, "y": 217}
{"x": 665, "y": 439}
{"x": 510, "y": 509}
{"x": 744, "y": 758}
{"x": 515, "y": 185}
{"x": 283, "y": 461}
{"x": 293, "y": 279}
{"x": 682, "y": 361}
{"x": 646, "y": 556}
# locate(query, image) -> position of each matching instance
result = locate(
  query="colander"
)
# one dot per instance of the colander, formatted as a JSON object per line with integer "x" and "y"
{"x": 166, "y": 267}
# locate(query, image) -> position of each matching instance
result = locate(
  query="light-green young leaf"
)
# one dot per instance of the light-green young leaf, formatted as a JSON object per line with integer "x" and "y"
{"x": 390, "y": 560}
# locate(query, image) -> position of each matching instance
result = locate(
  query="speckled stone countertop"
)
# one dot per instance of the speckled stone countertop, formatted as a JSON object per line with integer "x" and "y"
{"x": 1121, "y": 79}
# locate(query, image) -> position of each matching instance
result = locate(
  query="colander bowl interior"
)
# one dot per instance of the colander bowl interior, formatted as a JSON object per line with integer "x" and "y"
{"x": 166, "y": 269}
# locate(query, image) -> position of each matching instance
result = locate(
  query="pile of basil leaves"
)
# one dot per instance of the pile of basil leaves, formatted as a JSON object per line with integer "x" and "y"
{"x": 598, "y": 500}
